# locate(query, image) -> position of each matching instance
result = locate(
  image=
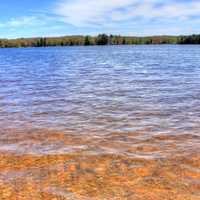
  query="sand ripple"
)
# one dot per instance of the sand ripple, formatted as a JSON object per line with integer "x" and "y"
{"x": 50, "y": 165}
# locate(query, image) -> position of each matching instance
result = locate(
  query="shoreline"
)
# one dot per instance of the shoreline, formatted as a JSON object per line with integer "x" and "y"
{"x": 101, "y": 39}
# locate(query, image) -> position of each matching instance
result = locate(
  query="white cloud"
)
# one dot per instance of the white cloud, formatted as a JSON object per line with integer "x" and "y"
{"x": 24, "y": 21}
{"x": 83, "y": 13}
{"x": 88, "y": 12}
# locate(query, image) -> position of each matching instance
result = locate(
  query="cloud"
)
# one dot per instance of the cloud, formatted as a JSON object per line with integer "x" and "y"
{"x": 88, "y": 12}
{"x": 91, "y": 13}
{"x": 23, "y": 22}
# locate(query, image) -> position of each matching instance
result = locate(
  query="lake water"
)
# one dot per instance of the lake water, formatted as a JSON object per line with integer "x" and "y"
{"x": 139, "y": 103}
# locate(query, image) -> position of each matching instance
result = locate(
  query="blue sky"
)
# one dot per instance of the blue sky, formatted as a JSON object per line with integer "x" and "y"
{"x": 29, "y": 18}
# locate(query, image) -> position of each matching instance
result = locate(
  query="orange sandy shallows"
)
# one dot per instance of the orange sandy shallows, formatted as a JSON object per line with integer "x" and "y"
{"x": 56, "y": 166}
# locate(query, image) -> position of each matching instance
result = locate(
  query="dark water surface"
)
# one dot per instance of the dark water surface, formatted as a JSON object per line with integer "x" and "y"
{"x": 122, "y": 104}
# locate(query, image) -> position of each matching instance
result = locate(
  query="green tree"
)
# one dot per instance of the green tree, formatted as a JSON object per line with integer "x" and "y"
{"x": 87, "y": 41}
{"x": 102, "y": 39}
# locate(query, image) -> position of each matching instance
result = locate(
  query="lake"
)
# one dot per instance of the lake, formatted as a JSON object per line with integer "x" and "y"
{"x": 110, "y": 122}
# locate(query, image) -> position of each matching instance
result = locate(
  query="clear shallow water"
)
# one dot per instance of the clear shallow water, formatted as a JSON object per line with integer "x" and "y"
{"x": 101, "y": 89}
{"x": 100, "y": 123}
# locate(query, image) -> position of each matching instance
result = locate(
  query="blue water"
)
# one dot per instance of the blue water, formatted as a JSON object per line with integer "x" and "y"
{"x": 101, "y": 89}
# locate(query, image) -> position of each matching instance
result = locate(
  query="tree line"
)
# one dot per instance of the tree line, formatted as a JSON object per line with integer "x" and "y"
{"x": 101, "y": 39}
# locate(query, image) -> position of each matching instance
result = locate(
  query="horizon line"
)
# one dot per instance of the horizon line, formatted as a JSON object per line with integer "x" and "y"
{"x": 96, "y": 35}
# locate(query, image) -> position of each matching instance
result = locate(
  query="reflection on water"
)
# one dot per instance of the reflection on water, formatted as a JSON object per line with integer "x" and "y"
{"x": 100, "y": 123}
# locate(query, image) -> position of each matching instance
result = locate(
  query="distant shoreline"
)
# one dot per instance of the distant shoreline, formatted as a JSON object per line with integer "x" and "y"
{"x": 101, "y": 39}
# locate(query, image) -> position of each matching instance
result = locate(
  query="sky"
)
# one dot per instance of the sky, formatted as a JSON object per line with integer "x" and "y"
{"x": 33, "y": 18}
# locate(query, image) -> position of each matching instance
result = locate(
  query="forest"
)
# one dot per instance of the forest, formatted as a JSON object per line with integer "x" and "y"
{"x": 101, "y": 39}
